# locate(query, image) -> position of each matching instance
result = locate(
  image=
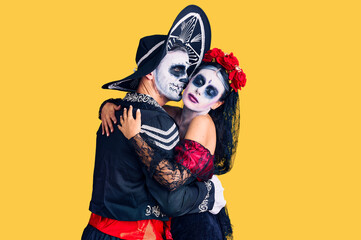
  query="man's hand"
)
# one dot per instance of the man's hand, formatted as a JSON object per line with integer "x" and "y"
{"x": 107, "y": 116}
{"x": 130, "y": 126}
{"x": 219, "y": 201}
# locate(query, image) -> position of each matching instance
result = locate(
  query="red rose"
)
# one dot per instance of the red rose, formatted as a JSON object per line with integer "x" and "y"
{"x": 234, "y": 87}
{"x": 243, "y": 79}
{"x": 238, "y": 79}
{"x": 229, "y": 62}
{"x": 233, "y": 59}
{"x": 216, "y": 52}
{"x": 207, "y": 58}
{"x": 213, "y": 54}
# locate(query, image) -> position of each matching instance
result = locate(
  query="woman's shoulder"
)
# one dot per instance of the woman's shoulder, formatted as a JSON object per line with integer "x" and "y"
{"x": 203, "y": 121}
{"x": 202, "y": 130}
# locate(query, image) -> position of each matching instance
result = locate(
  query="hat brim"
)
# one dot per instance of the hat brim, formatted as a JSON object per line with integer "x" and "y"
{"x": 191, "y": 29}
{"x": 131, "y": 82}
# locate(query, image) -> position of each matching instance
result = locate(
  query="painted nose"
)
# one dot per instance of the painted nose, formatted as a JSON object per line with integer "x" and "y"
{"x": 198, "y": 92}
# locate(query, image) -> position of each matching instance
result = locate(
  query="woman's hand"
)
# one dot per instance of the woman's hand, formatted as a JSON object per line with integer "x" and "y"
{"x": 107, "y": 116}
{"x": 130, "y": 126}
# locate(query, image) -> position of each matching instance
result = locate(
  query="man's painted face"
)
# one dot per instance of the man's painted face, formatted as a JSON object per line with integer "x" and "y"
{"x": 171, "y": 75}
{"x": 203, "y": 91}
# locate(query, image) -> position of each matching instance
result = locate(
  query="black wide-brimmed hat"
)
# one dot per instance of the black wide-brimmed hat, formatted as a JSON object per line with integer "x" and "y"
{"x": 190, "y": 29}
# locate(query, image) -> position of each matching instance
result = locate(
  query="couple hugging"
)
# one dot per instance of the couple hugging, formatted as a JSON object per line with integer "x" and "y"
{"x": 155, "y": 165}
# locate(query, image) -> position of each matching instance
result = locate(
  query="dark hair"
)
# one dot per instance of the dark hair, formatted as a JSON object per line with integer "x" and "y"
{"x": 227, "y": 121}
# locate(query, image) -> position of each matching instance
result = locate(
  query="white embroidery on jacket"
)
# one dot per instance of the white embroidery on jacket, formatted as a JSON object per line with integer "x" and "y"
{"x": 204, "y": 205}
{"x": 137, "y": 97}
{"x": 155, "y": 210}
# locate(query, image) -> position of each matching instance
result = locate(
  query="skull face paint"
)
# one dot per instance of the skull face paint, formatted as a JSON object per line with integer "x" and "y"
{"x": 204, "y": 90}
{"x": 171, "y": 74}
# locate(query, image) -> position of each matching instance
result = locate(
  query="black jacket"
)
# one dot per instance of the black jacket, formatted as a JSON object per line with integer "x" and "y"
{"x": 123, "y": 189}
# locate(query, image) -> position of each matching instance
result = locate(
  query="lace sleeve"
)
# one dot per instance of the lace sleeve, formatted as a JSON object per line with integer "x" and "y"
{"x": 163, "y": 168}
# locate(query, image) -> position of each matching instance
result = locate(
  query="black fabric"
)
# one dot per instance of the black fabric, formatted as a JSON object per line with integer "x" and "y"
{"x": 225, "y": 223}
{"x": 170, "y": 174}
{"x": 199, "y": 226}
{"x": 122, "y": 187}
{"x": 202, "y": 226}
{"x": 91, "y": 233}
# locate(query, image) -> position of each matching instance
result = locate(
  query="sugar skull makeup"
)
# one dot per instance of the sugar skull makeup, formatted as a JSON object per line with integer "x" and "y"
{"x": 171, "y": 74}
{"x": 204, "y": 90}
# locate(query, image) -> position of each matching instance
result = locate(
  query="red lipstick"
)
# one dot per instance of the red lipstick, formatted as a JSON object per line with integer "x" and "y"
{"x": 192, "y": 98}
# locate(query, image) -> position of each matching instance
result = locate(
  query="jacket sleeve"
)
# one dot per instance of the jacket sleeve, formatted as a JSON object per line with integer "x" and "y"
{"x": 189, "y": 162}
{"x": 194, "y": 197}
{"x": 160, "y": 165}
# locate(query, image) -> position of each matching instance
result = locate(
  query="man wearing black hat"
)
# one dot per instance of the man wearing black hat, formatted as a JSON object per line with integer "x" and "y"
{"x": 127, "y": 203}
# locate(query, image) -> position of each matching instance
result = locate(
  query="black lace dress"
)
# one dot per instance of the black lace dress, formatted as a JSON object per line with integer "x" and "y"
{"x": 192, "y": 162}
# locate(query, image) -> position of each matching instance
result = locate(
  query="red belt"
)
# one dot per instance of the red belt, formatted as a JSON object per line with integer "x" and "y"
{"x": 150, "y": 229}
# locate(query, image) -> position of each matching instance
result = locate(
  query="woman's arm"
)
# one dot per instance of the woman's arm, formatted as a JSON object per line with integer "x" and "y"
{"x": 107, "y": 114}
{"x": 165, "y": 170}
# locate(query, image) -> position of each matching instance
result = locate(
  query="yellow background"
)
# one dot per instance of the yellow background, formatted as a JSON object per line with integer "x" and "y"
{"x": 297, "y": 173}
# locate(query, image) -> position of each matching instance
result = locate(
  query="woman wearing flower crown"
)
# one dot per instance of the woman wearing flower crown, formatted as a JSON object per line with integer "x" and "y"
{"x": 208, "y": 127}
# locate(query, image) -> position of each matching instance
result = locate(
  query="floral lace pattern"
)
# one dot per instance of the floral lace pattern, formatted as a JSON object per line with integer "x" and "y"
{"x": 168, "y": 173}
{"x": 192, "y": 161}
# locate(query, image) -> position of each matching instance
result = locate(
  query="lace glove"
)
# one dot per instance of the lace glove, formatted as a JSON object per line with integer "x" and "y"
{"x": 168, "y": 173}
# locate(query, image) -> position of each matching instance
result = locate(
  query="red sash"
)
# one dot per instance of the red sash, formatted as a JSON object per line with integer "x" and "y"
{"x": 150, "y": 229}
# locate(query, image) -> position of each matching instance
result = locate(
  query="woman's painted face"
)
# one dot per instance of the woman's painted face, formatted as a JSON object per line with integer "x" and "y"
{"x": 203, "y": 91}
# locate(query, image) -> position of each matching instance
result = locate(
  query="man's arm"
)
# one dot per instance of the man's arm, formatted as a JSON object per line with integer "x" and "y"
{"x": 190, "y": 198}
{"x": 193, "y": 198}
{"x": 171, "y": 169}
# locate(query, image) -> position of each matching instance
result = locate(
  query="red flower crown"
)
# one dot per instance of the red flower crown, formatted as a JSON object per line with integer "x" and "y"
{"x": 237, "y": 78}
